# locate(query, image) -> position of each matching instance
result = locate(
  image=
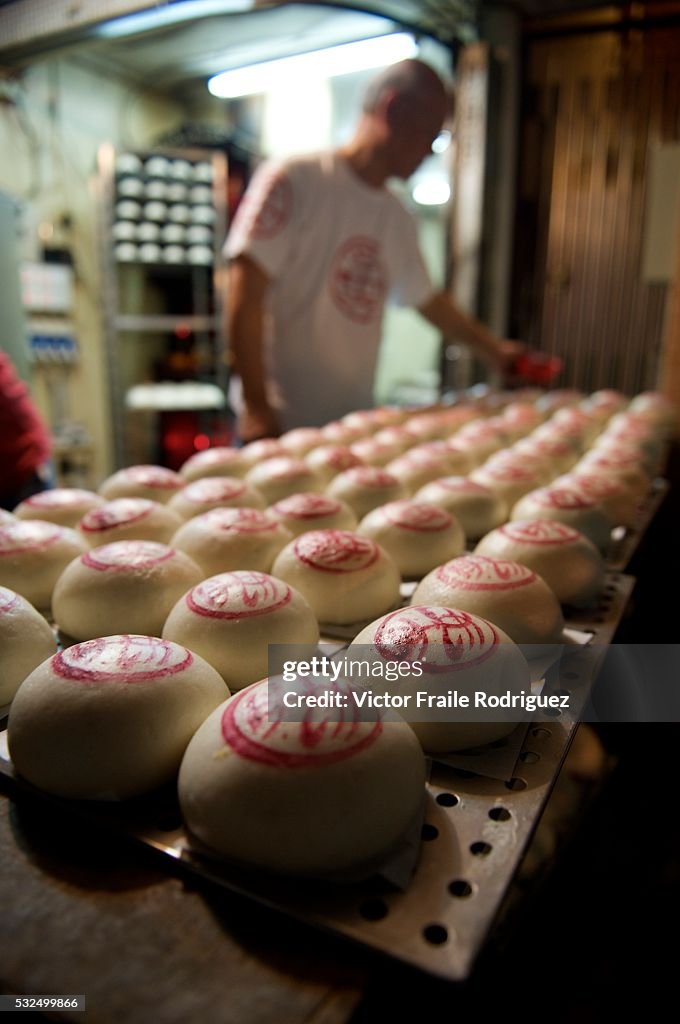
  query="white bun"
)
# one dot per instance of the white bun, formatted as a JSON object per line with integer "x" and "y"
{"x": 477, "y": 508}
{"x": 213, "y": 462}
{"x": 300, "y": 513}
{"x": 226, "y": 539}
{"x": 258, "y": 451}
{"x": 365, "y": 487}
{"x": 110, "y": 719}
{"x": 25, "y": 641}
{"x": 424, "y": 463}
{"x": 128, "y": 519}
{"x": 613, "y": 496}
{"x": 120, "y": 587}
{"x": 344, "y": 577}
{"x": 301, "y": 440}
{"x": 568, "y": 562}
{"x": 456, "y": 650}
{"x": 214, "y": 492}
{"x": 330, "y": 459}
{"x": 153, "y": 482}
{"x": 417, "y": 535}
{"x": 568, "y": 505}
{"x": 506, "y": 593}
{"x": 63, "y": 505}
{"x": 33, "y": 555}
{"x": 509, "y": 481}
{"x": 260, "y": 794}
{"x": 282, "y": 476}
{"x": 231, "y": 618}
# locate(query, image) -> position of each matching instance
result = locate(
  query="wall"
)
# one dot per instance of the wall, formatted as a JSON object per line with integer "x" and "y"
{"x": 63, "y": 109}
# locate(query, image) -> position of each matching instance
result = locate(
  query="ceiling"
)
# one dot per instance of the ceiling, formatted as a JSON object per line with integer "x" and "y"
{"x": 201, "y": 46}
{"x": 191, "y": 51}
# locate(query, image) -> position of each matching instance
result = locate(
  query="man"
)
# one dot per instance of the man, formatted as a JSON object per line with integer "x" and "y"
{"x": 317, "y": 246}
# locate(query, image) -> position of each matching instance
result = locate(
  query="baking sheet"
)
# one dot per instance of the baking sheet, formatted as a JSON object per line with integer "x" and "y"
{"x": 476, "y": 828}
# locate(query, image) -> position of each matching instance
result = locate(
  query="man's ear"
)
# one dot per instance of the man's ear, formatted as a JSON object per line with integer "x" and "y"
{"x": 389, "y": 108}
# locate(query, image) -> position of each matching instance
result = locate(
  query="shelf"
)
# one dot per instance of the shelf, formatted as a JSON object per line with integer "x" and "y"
{"x": 140, "y": 322}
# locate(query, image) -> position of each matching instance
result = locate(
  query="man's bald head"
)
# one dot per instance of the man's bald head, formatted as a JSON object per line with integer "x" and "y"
{"x": 411, "y": 80}
{"x": 403, "y": 111}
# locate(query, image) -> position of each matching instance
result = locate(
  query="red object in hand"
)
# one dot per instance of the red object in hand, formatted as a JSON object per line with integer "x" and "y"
{"x": 535, "y": 367}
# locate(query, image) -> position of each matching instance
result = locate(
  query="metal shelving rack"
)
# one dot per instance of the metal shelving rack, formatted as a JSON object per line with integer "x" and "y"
{"x": 204, "y": 318}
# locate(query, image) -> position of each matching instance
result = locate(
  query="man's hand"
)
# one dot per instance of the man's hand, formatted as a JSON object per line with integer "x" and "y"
{"x": 508, "y": 353}
{"x": 256, "y": 423}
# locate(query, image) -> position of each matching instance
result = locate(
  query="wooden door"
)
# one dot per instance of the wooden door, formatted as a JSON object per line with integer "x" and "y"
{"x": 595, "y": 106}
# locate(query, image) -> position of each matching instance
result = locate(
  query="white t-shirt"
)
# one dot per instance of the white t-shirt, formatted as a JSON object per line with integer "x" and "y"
{"x": 335, "y": 249}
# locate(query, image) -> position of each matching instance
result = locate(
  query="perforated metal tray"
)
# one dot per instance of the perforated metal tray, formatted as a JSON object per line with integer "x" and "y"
{"x": 627, "y": 540}
{"x": 475, "y": 832}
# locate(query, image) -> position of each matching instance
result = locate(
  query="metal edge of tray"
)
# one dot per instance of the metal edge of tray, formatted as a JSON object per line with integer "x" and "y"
{"x": 625, "y": 546}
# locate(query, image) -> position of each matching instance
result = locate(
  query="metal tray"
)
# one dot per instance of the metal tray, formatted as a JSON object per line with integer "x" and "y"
{"x": 475, "y": 832}
{"x": 627, "y": 540}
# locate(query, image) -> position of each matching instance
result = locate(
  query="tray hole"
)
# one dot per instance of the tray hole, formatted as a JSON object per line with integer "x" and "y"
{"x": 373, "y": 909}
{"x": 529, "y": 757}
{"x": 481, "y": 849}
{"x": 551, "y": 712}
{"x": 540, "y": 733}
{"x": 436, "y": 934}
{"x": 460, "y": 889}
{"x": 499, "y": 814}
{"x": 447, "y": 799}
{"x": 570, "y": 675}
{"x": 429, "y": 832}
{"x": 516, "y": 784}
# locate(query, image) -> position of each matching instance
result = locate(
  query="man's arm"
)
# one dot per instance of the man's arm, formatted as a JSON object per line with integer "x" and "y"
{"x": 453, "y": 323}
{"x": 247, "y": 288}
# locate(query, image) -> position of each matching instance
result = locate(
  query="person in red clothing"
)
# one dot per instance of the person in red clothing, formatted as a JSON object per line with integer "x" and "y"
{"x": 24, "y": 440}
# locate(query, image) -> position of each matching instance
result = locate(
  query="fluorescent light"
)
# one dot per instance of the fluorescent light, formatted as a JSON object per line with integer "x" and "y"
{"x": 334, "y": 60}
{"x": 170, "y": 14}
{"x": 431, "y": 192}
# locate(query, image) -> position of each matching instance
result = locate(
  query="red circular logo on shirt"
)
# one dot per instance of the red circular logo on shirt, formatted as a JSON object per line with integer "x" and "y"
{"x": 272, "y": 216}
{"x": 358, "y": 281}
